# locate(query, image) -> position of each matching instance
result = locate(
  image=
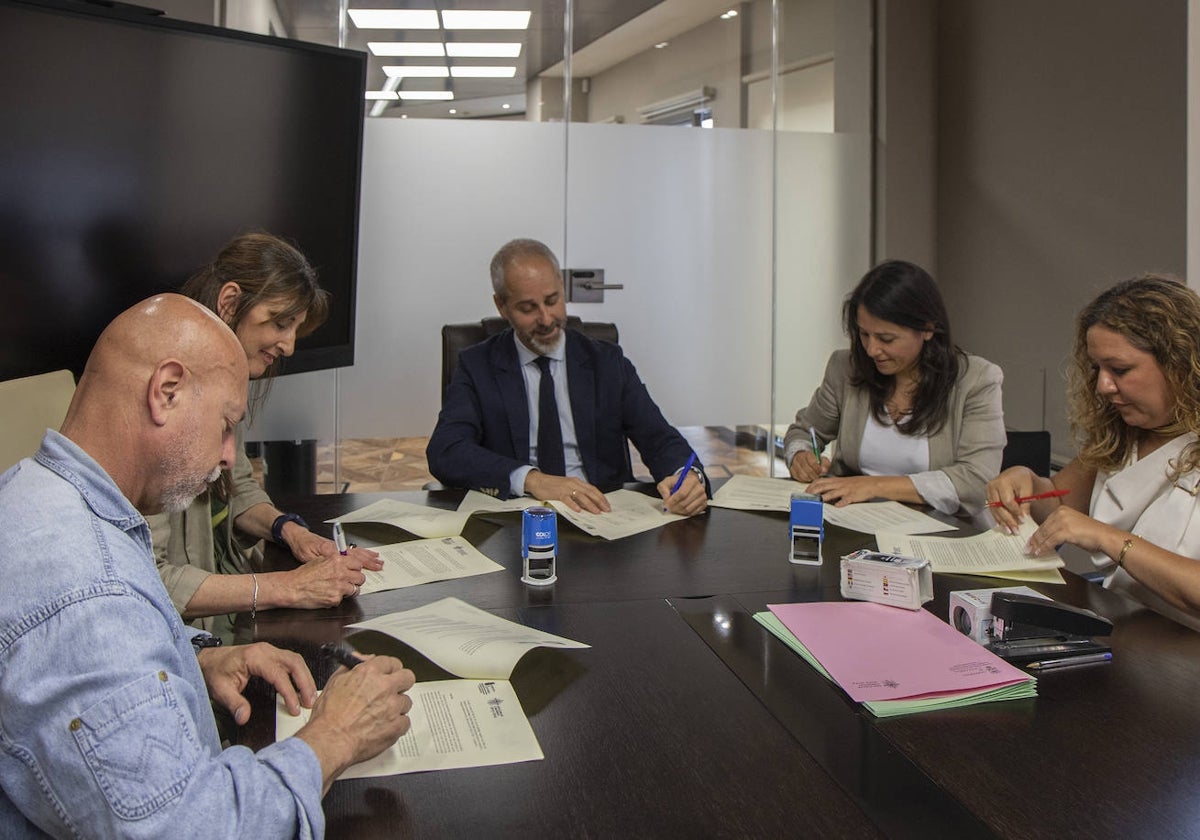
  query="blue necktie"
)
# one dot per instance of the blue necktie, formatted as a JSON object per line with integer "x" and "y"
{"x": 549, "y": 443}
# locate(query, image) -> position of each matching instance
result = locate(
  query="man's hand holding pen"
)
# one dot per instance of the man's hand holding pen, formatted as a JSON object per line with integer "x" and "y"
{"x": 684, "y": 493}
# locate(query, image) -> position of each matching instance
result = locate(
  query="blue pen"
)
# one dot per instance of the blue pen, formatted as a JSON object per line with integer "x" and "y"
{"x": 682, "y": 475}
{"x": 812, "y": 436}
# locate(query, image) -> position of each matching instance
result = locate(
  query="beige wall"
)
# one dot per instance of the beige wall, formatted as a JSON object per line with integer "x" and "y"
{"x": 718, "y": 54}
{"x": 906, "y": 133}
{"x": 708, "y": 55}
{"x": 1060, "y": 168}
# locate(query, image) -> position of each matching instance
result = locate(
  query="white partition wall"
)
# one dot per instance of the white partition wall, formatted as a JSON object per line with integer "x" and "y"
{"x": 823, "y": 217}
{"x": 682, "y": 218}
{"x": 734, "y": 245}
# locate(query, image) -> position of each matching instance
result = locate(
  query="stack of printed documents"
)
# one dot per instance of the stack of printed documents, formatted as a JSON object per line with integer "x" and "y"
{"x": 895, "y": 661}
{"x": 474, "y": 722}
{"x": 992, "y": 554}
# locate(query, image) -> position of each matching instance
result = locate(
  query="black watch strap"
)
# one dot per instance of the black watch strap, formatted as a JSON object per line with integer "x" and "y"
{"x": 205, "y": 640}
{"x": 280, "y": 521}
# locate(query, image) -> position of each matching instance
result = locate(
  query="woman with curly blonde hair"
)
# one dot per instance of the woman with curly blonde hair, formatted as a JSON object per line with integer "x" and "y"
{"x": 1135, "y": 408}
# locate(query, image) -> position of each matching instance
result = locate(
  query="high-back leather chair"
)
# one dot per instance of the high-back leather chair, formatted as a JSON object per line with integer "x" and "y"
{"x": 458, "y": 337}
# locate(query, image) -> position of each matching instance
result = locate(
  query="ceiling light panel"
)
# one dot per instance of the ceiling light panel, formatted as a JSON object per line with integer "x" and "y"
{"x": 382, "y": 94}
{"x": 426, "y": 94}
{"x": 485, "y": 50}
{"x": 482, "y": 72}
{"x": 461, "y": 19}
{"x": 415, "y": 72}
{"x": 407, "y": 49}
{"x": 394, "y": 18}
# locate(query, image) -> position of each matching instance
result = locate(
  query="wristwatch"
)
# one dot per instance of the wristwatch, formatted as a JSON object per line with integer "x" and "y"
{"x": 280, "y": 521}
{"x": 205, "y": 640}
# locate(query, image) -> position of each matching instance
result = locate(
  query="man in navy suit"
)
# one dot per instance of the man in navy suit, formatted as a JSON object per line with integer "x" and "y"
{"x": 491, "y": 435}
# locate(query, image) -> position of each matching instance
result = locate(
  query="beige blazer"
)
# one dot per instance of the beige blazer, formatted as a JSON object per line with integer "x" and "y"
{"x": 968, "y": 448}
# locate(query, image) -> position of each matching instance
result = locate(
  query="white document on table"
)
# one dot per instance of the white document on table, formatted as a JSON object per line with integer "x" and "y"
{"x": 991, "y": 551}
{"x": 746, "y": 492}
{"x": 476, "y": 502}
{"x": 463, "y": 639}
{"x": 416, "y": 519}
{"x": 631, "y": 513}
{"x": 424, "y": 561}
{"x": 891, "y": 517}
{"x": 455, "y": 723}
{"x": 752, "y": 492}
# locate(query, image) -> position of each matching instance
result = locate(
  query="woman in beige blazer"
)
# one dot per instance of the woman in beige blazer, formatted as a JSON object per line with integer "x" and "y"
{"x": 915, "y": 418}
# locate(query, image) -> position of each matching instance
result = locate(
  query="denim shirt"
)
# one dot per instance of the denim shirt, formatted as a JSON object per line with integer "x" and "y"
{"x": 105, "y": 724}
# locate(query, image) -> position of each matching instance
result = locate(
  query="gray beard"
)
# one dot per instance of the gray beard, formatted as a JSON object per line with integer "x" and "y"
{"x": 180, "y": 494}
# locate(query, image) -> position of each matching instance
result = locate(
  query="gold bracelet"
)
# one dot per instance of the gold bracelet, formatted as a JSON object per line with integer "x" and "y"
{"x": 1124, "y": 550}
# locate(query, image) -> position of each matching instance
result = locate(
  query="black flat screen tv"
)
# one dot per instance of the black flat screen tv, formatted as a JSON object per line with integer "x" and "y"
{"x": 133, "y": 147}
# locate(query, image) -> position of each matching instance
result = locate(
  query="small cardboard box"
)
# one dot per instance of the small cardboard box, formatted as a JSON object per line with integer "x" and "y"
{"x": 890, "y": 579}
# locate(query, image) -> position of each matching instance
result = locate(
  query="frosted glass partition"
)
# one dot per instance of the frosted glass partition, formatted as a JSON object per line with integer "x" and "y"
{"x": 823, "y": 218}
{"x": 438, "y": 198}
{"x": 681, "y": 217}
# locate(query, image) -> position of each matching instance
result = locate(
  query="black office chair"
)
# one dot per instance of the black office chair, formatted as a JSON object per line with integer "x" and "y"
{"x": 1028, "y": 449}
{"x": 458, "y": 337}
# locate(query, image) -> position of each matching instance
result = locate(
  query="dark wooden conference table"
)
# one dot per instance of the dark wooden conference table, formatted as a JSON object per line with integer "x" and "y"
{"x": 688, "y": 719}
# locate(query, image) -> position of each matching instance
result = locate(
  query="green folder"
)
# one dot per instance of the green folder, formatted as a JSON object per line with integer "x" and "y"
{"x": 904, "y": 706}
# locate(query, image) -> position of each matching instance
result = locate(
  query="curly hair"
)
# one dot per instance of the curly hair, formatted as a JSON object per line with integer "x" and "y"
{"x": 905, "y": 294}
{"x": 1160, "y": 316}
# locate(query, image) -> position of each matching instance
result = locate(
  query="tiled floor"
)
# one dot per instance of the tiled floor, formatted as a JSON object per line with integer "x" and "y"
{"x": 376, "y": 465}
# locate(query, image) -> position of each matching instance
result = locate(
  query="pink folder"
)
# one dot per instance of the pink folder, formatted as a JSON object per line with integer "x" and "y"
{"x": 876, "y": 652}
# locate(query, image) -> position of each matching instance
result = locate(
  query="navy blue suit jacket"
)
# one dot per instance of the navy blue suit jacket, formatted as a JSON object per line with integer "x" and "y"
{"x": 482, "y": 432}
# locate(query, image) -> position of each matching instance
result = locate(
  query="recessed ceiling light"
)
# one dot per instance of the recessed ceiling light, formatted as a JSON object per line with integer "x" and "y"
{"x": 394, "y": 18}
{"x": 457, "y": 19}
{"x": 660, "y": 45}
{"x": 482, "y": 72}
{"x": 453, "y": 111}
{"x": 426, "y": 94}
{"x": 404, "y": 116}
{"x": 406, "y": 49}
{"x": 505, "y": 106}
{"x": 381, "y": 94}
{"x": 415, "y": 71}
{"x": 483, "y": 50}
{"x": 732, "y": 13}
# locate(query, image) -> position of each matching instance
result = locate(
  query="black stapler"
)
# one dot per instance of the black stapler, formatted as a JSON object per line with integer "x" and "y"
{"x": 1028, "y": 629}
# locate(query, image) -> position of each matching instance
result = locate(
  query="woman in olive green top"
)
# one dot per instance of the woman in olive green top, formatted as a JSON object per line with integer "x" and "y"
{"x": 208, "y": 556}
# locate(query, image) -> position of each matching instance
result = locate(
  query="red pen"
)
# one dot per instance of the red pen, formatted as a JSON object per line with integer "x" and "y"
{"x": 1053, "y": 494}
